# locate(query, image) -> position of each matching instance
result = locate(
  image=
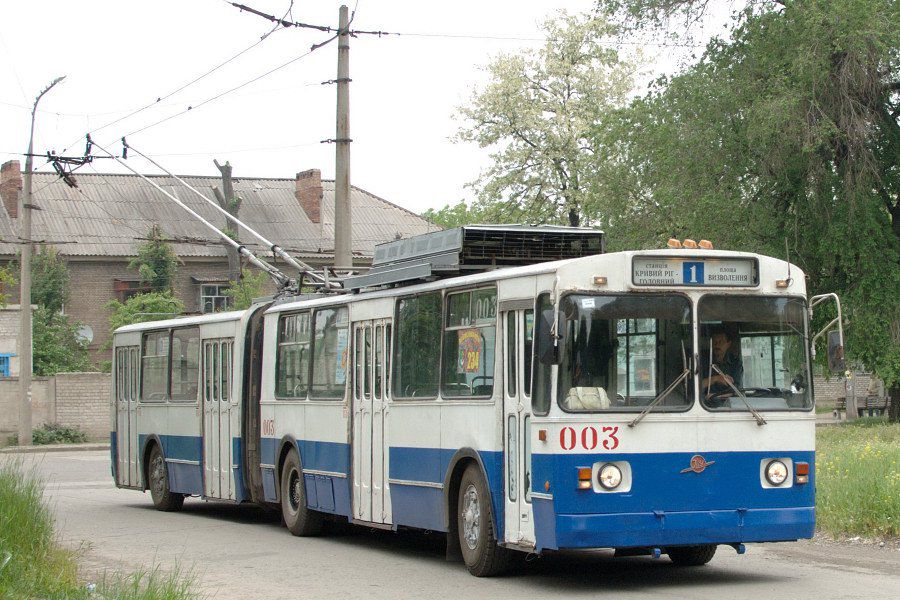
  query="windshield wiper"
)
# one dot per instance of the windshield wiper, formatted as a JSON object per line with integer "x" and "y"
{"x": 759, "y": 420}
{"x": 660, "y": 398}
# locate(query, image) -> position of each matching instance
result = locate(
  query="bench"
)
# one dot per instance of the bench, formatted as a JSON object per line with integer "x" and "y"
{"x": 873, "y": 405}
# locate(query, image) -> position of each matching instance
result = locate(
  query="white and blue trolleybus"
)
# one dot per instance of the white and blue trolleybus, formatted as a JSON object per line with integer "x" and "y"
{"x": 515, "y": 387}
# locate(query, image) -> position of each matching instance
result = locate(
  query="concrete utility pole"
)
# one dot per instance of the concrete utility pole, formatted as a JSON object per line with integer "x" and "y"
{"x": 25, "y": 286}
{"x": 343, "y": 259}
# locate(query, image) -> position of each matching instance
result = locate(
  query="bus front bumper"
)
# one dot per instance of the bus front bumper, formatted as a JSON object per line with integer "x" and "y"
{"x": 661, "y": 529}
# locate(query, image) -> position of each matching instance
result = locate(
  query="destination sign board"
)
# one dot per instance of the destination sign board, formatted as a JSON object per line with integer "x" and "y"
{"x": 694, "y": 271}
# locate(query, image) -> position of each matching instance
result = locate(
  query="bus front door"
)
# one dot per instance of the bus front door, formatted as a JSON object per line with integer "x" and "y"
{"x": 517, "y": 349}
{"x": 127, "y": 471}
{"x": 218, "y": 475}
{"x": 371, "y": 343}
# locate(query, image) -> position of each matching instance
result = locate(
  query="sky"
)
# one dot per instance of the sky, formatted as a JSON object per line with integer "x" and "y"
{"x": 119, "y": 56}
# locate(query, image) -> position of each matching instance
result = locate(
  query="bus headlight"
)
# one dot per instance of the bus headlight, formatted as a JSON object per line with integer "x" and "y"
{"x": 776, "y": 472}
{"x": 609, "y": 476}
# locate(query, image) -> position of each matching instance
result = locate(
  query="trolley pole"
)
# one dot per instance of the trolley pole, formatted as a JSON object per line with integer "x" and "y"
{"x": 25, "y": 350}
{"x": 343, "y": 258}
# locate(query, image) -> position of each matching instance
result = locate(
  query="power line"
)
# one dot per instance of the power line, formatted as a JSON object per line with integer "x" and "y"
{"x": 312, "y": 49}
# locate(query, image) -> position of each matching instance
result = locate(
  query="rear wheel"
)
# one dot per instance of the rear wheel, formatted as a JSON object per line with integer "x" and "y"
{"x": 692, "y": 556}
{"x": 163, "y": 498}
{"x": 299, "y": 519}
{"x": 477, "y": 539}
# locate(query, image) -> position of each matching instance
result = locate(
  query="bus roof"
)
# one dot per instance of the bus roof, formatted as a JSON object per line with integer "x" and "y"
{"x": 220, "y": 317}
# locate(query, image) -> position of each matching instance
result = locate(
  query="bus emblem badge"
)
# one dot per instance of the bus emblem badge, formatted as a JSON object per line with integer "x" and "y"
{"x": 698, "y": 464}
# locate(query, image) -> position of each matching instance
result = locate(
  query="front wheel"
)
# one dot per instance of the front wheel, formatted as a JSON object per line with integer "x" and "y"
{"x": 692, "y": 556}
{"x": 477, "y": 539}
{"x": 298, "y": 518}
{"x": 163, "y": 498}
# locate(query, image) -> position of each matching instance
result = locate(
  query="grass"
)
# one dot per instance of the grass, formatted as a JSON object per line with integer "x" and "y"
{"x": 858, "y": 478}
{"x": 33, "y": 565}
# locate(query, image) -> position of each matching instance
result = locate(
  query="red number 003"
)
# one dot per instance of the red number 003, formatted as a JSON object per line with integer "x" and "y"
{"x": 589, "y": 438}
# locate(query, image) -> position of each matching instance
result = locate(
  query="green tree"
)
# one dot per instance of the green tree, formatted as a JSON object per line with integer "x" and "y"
{"x": 537, "y": 116}
{"x": 785, "y": 132}
{"x": 153, "y": 306}
{"x": 57, "y": 347}
{"x": 156, "y": 261}
{"x": 6, "y": 279}
{"x": 243, "y": 292}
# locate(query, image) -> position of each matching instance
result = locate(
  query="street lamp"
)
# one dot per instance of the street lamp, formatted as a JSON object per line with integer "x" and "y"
{"x": 25, "y": 286}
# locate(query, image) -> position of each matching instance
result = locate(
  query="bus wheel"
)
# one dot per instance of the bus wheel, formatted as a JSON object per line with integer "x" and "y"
{"x": 692, "y": 556}
{"x": 477, "y": 540}
{"x": 299, "y": 519}
{"x": 163, "y": 498}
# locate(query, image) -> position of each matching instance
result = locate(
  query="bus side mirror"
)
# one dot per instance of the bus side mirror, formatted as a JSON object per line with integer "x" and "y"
{"x": 836, "y": 362}
{"x": 547, "y": 344}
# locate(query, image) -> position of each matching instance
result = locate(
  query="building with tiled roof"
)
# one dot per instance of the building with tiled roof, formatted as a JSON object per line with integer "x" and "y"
{"x": 98, "y": 227}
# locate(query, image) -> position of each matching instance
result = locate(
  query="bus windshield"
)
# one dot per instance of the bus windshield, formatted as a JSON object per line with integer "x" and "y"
{"x": 621, "y": 351}
{"x": 755, "y": 346}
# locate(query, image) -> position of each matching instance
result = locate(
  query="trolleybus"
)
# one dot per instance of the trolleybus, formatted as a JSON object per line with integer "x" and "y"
{"x": 654, "y": 401}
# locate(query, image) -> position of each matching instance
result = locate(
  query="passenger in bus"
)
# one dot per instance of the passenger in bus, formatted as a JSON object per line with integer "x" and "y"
{"x": 727, "y": 359}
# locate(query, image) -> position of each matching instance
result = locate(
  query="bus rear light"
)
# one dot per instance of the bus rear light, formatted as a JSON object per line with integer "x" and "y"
{"x": 673, "y": 243}
{"x": 584, "y": 478}
{"x": 802, "y": 471}
{"x": 705, "y": 244}
{"x": 542, "y": 435}
{"x": 599, "y": 280}
{"x": 782, "y": 283}
{"x": 689, "y": 243}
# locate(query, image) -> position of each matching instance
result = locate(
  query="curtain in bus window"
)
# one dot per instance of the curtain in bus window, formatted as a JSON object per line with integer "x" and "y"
{"x": 470, "y": 340}
{"x": 331, "y": 343}
{"x": 418, "y": 347}
{"x": 185, "y": 364}
{"x": 292, "y": 360}
{"x": 155, "y": 367}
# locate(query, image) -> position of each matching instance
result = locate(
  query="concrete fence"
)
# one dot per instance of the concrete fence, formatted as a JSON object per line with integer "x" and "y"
{"x": 70, "y": 399}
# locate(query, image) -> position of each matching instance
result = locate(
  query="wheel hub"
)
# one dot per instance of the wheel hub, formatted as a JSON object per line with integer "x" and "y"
{"x": 471, "y": 514}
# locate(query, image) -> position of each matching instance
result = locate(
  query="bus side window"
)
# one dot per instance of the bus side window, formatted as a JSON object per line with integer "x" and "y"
{"x": 541, "y": 373}
{"x": 416, "y": 362}
{"x": 155, "y": 367}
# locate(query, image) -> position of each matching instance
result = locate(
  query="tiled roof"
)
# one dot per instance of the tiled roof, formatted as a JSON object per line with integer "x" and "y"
{"x": 108, "y": 214}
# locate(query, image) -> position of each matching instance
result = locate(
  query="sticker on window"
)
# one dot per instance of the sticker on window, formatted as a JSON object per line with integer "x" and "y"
{"x": 340, "y": 367}
{"x": 587, "y": 303}
{"x": 469, "y": 351}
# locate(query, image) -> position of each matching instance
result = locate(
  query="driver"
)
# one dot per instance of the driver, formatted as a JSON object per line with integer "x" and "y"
{"x": 725, "y": 357}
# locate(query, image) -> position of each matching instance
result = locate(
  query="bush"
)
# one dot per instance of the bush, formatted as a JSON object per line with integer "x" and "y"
{"x": 57, "y": 434}
{"x": 858, "y": 478}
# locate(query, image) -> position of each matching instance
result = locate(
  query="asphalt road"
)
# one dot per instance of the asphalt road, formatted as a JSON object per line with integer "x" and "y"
{"x": 244, "y": 552}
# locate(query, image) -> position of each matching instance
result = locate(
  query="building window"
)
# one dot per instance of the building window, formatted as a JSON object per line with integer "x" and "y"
{"x": 4, "y": 364}
{"x": 213, "y": 298}
{"x": 129, "y": 288}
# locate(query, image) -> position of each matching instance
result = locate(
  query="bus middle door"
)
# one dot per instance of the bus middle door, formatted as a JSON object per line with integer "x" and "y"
{"x": 369, "y": 391}
{"x": 517, "y": 344}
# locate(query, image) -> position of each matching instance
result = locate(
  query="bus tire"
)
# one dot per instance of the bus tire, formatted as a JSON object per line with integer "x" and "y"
{"x": 298, "y": 518}
{"x": 692, "y": 556}
{"x": 164, "y": 499}
{"x": 477, "y": 539}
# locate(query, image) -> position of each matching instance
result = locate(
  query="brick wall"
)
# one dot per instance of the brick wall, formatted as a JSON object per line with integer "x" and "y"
{"x": 829, "y": 390}
{"x": 82, "y": 401}
{"x": 71, "y": 399}
{"x": 42, "y": 398}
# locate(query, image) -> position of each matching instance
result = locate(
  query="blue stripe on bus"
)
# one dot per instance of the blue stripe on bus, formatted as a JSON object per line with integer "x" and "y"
{"x": 723, "y": 504}
{"x": 114, "y": 456}
{"x": 240, "y": 494}
{"x": 183, "y": 478}
{"x": 418, "y": 506}
{"x": 731, "y": 481}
